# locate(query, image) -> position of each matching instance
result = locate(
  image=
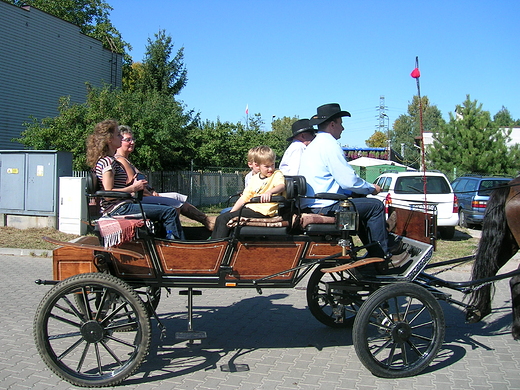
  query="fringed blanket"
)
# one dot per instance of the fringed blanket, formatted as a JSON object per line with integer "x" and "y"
{"x": 116, "y": 231}
{"x": 264, "y": 222}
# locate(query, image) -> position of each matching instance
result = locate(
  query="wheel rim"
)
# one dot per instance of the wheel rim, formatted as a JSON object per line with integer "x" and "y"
{"x": 91, "y": 332}
{"x": 333, "y": 298}
{"x": 402, "y": 333}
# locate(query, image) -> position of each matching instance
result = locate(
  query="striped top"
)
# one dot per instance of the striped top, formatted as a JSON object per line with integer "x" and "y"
{"x": 109, "y": 163}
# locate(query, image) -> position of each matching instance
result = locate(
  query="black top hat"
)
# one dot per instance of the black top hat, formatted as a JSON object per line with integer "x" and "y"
{"x": 300, "y": 126}
{"x": 328, "y": 112}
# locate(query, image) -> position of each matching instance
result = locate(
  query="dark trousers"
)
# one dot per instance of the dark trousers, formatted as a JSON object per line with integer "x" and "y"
{"x": 164, "y": 214}
{"x": 372, "y": 220}
{"x": 221, "y": 230}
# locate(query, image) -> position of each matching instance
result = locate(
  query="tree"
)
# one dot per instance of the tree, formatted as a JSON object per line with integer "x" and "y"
{"x": 503, "y": 118}
{"x": 160, "y": 73}
{"x": 161, "y": 127}
{"x": 472, "y": 143}
{"x": 377, "y": 140}
{"x": 407, "y": 127}
{"x": 280, "y": 131}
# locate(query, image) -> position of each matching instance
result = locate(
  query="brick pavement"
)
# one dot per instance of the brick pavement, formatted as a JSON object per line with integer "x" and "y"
{"x": 273, "y": 335}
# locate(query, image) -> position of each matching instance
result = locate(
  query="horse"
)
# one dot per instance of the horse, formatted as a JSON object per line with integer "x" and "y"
{"x": 499, "y": 242}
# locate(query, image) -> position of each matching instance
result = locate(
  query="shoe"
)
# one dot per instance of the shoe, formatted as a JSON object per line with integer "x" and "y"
{"x": 397, "y": 248}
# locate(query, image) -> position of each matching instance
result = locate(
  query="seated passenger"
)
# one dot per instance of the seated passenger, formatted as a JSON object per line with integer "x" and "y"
{"x": 326, "y": 170}
{"x": 101, "y": 147}
{"x": 268, "y": 182}
{"x": 253, "y": 171}
{"x": 173, "y": 199}
{"x": 303, "y": 134}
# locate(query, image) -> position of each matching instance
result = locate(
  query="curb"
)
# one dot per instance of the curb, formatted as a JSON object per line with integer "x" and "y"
{"x": 26, "y": 252}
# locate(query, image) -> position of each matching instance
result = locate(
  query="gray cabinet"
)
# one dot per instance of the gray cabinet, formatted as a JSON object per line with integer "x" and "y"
{"x": 29, "y": 181}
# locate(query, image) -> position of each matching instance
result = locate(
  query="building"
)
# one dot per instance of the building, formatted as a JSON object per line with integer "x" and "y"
{"x": 43, "y": 58}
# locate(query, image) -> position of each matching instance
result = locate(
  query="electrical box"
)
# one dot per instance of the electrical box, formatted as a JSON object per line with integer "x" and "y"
{"x": 72, "y": 206}
{"x": 29, "y": 181}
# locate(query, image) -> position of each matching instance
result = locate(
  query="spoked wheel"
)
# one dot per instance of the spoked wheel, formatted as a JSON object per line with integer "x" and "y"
{"x": 398, "y": 330}
{"x": 333, "y": 298}
{"x": 92, "y": 330}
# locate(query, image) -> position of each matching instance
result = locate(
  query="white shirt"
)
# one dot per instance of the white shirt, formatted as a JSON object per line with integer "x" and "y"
{"x": 325, "y": 169}
{"x": 290, "y": 164}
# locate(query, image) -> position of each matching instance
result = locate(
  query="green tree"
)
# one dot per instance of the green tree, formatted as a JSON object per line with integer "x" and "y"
{"x": 161, "y": 72}
{"x": 377, "y": 140}
{"x": 161, "y": 126}
{"x": 280, "y": 131}
{"x": 503, "y": 118}
{"x": 472, "y": 143}
{"x": 407, "y": 127}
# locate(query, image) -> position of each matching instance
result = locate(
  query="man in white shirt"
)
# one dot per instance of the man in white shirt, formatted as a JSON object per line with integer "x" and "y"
{"x": 325, "y": 169}
{"x": 303, "y": 134}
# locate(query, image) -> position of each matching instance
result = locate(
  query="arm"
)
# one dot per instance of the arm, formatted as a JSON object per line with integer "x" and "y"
{"x": 266, "y": 196}
{"x": 131, "y": 173}
{"x": 108, "y": 183}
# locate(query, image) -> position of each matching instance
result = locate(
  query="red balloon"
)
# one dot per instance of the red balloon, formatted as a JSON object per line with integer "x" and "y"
{"x": 415, "y": 73}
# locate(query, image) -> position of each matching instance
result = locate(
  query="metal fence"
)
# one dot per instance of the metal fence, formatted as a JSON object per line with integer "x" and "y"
{"x": 204, "y": 188}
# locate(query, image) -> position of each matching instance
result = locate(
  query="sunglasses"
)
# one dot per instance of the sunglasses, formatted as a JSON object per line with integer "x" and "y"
{"x": 128, "y": 139}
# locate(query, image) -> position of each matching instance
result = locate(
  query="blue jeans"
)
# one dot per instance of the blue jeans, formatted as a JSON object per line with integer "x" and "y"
{"x": 164, "y": 214}
{"x": 372, "y": 220}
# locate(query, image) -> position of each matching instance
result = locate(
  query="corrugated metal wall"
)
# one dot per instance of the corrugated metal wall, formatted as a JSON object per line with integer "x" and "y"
{"x": 41, "y": 59}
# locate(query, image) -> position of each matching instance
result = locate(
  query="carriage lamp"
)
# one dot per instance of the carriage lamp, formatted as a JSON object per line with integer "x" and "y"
{"x": 347, "y": 216}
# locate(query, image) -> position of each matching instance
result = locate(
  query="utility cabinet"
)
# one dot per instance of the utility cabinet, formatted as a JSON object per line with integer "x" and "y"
{"x": 29, "y": 181}
{"x": 72, "y": 205}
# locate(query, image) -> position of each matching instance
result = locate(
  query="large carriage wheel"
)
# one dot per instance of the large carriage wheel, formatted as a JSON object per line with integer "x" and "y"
{"x": 333, "y": 298}
{"x": 399, "y": 330}
{"x": 98, "y": 342}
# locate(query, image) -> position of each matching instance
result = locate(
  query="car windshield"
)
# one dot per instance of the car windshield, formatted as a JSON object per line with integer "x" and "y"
{"x": 486, "y": 186}
{"x": 414, "y": 185}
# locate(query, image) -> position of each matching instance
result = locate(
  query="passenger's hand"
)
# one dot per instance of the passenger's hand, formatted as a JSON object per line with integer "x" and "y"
{"x": 377, "y": 190}
{"x": 139, "y": 185}
{"x": 265, "y": 198}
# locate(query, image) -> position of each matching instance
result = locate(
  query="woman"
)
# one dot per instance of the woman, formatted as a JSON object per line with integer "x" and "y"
{"x": 101, "y": 147}
{"x": 173, "y": 199}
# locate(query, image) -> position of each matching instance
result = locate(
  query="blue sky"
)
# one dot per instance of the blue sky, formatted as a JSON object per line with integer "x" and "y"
{"x": 286, "y": 57}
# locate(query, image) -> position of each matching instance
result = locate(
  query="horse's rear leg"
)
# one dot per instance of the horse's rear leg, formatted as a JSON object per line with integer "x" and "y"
{"x": 514, "y": 283}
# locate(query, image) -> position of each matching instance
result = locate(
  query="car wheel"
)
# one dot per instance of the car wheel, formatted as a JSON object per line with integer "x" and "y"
{"x": 447, "y": 232}
{"x": 462, "y": 219}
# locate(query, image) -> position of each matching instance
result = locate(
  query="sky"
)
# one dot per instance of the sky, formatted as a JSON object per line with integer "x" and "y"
{"x": 287, "y": 57}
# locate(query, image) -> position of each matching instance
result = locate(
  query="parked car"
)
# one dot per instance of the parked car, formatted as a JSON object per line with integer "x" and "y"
{"x": 406, "y": 189}
{"x": 473, "y": 193}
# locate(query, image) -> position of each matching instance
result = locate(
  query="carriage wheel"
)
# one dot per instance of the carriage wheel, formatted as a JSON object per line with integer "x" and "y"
{"x": 98, "y": 342}
{"x": 150, "y": 296}
{"x": 398, "y": 330}
{"x": 332, "y": 298}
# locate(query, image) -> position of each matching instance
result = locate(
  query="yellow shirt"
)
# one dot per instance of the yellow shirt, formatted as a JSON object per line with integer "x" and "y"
{"x": 257, "y": 186}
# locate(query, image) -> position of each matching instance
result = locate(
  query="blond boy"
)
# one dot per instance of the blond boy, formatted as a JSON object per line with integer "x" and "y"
{"x": 265, "y": 184}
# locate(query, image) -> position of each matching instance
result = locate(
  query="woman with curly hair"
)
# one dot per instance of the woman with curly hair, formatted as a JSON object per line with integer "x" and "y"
{"x": 102, "y": 144}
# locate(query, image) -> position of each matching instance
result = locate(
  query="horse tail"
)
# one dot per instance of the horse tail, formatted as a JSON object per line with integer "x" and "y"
{"x": 494, "y": 244}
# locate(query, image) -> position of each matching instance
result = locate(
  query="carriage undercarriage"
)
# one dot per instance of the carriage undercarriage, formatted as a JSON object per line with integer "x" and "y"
{"x": 93, "y": 327}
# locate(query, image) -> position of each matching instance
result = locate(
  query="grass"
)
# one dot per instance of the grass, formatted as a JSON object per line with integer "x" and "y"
{"x": 463, "y": 244}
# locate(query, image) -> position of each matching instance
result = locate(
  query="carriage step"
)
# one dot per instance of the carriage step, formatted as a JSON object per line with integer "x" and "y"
{"x": 187, "y": 292}
{"x": 191, "y": 335}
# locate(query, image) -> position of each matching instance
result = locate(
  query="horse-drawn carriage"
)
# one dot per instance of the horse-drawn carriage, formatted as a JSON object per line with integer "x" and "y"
{"x": 93, "y": 327}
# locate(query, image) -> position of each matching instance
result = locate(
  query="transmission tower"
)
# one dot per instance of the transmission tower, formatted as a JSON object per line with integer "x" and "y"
{"x": 382, "y": 127}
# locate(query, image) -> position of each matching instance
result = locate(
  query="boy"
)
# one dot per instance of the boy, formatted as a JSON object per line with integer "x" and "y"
{"x": 266, "y": 183}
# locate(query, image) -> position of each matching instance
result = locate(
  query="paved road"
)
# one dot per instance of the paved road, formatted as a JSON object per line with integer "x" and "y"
{"x": 273, "y": 335}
